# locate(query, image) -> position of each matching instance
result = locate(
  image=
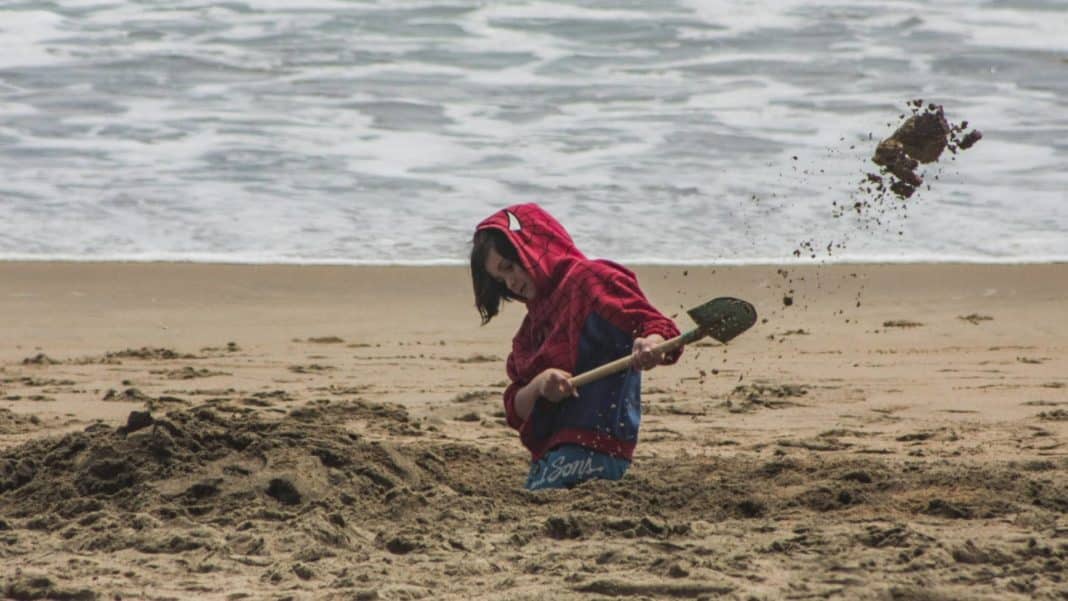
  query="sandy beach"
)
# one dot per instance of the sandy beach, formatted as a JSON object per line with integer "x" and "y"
{"x": 325, "y": 432}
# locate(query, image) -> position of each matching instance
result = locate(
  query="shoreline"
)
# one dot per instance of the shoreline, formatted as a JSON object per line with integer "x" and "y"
{"x": 661, "y": 263}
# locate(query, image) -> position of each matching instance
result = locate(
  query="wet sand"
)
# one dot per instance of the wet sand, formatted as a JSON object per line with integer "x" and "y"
{"x": 883, "y": 432}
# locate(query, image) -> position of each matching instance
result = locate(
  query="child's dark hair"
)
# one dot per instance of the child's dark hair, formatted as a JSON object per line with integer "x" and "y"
{"x": 488, "y": 291}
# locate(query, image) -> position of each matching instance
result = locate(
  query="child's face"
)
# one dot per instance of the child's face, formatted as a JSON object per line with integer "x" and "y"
{"x": 510, "y": 274}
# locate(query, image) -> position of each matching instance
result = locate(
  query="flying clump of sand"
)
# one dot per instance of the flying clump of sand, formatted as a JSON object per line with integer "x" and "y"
{"x": 881, "y": 200}
{"x": 920, "y": 139}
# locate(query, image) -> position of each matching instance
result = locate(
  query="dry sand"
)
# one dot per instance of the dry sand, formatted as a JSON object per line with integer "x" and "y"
{"x": 895, "y": 432}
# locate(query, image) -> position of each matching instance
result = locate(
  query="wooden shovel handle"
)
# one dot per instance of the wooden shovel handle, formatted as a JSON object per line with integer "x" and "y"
{"x": 624, "y": 362}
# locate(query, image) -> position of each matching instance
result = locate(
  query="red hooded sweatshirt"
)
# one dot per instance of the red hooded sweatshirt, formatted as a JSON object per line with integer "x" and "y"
{"x": 585, "y": 313}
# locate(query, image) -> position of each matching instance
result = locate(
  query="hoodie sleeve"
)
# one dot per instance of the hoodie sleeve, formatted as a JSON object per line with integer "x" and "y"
{"x": 617, "y": 298}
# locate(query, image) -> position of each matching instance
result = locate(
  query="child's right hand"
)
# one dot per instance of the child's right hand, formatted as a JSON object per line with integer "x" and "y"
{"x": 555, "y": 385}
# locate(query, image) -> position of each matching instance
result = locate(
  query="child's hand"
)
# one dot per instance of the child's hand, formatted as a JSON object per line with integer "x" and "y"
{"x": 644, "y": 356}
{"x": 555, "y": 385}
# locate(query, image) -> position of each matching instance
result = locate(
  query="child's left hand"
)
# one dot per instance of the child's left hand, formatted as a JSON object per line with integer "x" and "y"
{"x": 644, "y": 357}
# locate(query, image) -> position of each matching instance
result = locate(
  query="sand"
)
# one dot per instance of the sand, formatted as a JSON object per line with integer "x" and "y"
{"x": 173, "y": 431}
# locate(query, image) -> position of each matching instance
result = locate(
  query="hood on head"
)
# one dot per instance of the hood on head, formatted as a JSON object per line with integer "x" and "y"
{"x": 543, "y": 245}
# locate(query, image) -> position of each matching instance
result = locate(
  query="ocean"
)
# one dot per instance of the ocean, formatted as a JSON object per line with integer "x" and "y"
{"x": 658, "y": 132}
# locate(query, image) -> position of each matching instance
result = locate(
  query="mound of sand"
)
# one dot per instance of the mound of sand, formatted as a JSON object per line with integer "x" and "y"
{"x": 145, "y": 484}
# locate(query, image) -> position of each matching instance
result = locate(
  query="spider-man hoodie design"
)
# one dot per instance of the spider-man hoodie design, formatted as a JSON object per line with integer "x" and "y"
{"x": 586, "y": 313}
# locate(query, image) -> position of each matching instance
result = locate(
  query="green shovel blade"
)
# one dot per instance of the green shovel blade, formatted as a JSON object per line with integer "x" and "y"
{"x": 724, "y": 318}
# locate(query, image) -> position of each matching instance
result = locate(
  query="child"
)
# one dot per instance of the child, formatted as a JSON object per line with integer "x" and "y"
{"x": 581, "y": 313}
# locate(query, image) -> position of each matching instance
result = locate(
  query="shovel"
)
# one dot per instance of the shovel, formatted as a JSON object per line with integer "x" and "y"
{"x": 722, "y": 318}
